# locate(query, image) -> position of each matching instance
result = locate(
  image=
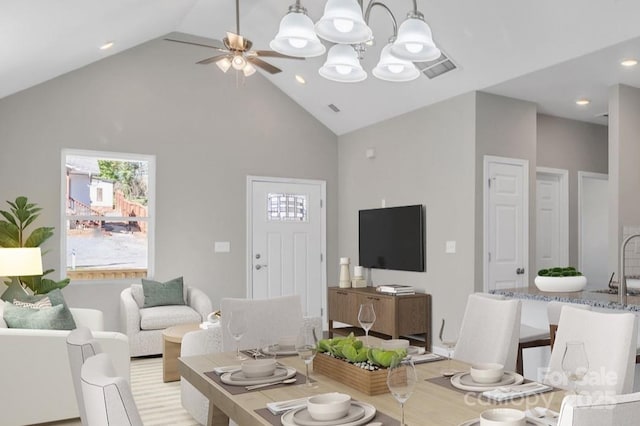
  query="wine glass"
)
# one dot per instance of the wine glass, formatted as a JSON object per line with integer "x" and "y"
{"x": 307, "y": 347}
{"x": 237, "y": 327}
{"x": 574, "y": 363}
{"x": 366, "y": 318}
{"x": 401, "y": 380}
{"x": 448, "y": 338}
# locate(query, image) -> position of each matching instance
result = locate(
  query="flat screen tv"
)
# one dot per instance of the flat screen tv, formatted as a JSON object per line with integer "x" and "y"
{"x": 392, "y": 238}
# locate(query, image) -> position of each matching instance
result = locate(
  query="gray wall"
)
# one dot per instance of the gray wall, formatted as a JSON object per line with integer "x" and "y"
{"x": 624, "y": 173}
{"x": 423, "y": 157}
{"x": 573, "y": 146}
{"x": 505, "y": 127}
{"x": 207, "y": 135}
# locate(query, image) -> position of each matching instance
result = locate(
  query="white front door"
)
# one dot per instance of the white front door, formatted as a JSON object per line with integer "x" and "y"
{"x": 287, "y": 241}
{"x": 552, "y": 239}
{"x": 593, "y": 211}
{"x": 506, "y": 223}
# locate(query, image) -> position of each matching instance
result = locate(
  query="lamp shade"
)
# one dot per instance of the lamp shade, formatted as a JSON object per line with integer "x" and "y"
{"x": 391, "y": 68}
{"x": 342, "y": 22}
{"x": 414, "y": 42}
{"x": 342, "y": 65}
{"x": 296, "y": 37}
{"x": 19, "y": 262}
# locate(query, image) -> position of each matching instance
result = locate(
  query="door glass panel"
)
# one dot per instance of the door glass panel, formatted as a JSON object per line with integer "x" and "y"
{"x": 287, "y": 207}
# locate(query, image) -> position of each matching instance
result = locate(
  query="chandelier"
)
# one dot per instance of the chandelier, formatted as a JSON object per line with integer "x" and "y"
{"x": 345, "y": 23}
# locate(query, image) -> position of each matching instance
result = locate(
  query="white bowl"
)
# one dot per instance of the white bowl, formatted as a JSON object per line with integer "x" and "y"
{"x": 393, "y": 344}
{"x": 258, "y": 367}
{"x": 486, "y": 372}
{"x": 287, "y": 342}
{"x": 561, "y": 284}
{"x": 502, "y": 417}
{"x": 328, "y": 406}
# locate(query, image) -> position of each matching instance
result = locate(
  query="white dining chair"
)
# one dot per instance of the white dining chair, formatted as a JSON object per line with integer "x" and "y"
{"x": 553, "y": 314}
{"x": 80, "y": 346}
{"x": 199, "y": 342}
{"x": 266, "y": 319}
{"x": 610, "y": 345}
{"x": 490, "y": 331}
{"x": 107, "y": 397}
{"x": 612, "y": 410}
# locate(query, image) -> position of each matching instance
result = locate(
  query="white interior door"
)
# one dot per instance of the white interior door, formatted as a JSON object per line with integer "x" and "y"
{"x": 506, "y": 223}
{"x": 287, "y": 241}
{"x": 552, "y": 218}
{"x": 593, "y": 233}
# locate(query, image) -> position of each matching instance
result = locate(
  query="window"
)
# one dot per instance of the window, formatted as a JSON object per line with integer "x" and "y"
{"x": 108, "y": 202}
{"x": 287, "y": 207}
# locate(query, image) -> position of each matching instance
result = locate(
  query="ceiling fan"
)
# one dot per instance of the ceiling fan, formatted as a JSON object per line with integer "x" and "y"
{"x": 237, "y": 53}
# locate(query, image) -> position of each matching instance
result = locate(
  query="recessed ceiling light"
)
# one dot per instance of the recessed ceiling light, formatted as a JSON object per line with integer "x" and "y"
{"x": 583, "y": 102}
{"x": 629, "y": 62}
{"x": 107, "y": 45}
{"x": 300, "y": 79}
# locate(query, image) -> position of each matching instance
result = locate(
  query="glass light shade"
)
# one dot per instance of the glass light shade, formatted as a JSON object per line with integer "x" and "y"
{"x": 342, "y": 65}
{"x": 297, "y": 37}
{"x": 342, "y": 22}
{"x": 248, "y": 70}
{"x": 391, "y": 68}
{"x": 224, "y": 64}
{"x": 414, "y": 42}
{"x": 238, "y": 62}
{"x": 20, "y": 262}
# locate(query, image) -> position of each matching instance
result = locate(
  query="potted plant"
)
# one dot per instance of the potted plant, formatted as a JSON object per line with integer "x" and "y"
{"x": 13, "y": 233}
{"x": 560, "y": 279}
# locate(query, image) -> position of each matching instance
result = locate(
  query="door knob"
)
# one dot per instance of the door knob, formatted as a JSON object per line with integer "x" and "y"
{"x": 258, "y": 267}
{"x": 520, "y": 271}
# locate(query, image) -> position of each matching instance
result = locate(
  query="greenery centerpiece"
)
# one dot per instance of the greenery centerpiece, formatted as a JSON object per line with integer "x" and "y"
{"x": 14, "y": 234}
{"x": 560, "y": 279}
{"x": 352, "y": 350}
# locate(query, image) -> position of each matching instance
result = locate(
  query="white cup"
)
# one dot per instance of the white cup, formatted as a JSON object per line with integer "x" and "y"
{"x": 502, "y": 417}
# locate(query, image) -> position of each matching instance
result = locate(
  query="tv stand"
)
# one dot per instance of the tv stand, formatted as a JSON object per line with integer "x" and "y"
{"x": 407, "y": 316}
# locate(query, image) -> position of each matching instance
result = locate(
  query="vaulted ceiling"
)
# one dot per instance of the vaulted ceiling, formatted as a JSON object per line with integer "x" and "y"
{"x": 546, "y": 51}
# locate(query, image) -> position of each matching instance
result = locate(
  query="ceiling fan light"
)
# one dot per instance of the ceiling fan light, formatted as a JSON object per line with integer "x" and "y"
{"x": 342, "y": 22}
{"x": 296, "y": 37}
{"x": 414, "y": 42}
{"x": 248, "y": 70}
{"x": 238, "y": 62}
{"x": 392, "y": 68}
{"x": 342, "y": 65}
{"x": 224, "y": 64}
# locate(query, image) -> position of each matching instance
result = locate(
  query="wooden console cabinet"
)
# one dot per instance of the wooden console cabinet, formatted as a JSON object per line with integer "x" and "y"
{"x": 396, "y": 316}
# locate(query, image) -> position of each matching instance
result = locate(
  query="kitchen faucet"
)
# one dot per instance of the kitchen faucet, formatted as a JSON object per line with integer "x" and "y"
{"x": 622, "y": 288}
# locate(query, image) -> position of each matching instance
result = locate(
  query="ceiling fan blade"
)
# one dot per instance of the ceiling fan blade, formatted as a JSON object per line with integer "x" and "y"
{"x": 264, "y": 65}
{"x": 211, "y": 59}
{"x": 272, "y": 54}
{"x": 219, "y": 47}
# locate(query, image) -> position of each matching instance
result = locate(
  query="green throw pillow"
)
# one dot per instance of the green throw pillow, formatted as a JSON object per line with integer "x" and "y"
{"x": 160, "y": 294}
{"x": 13, "y": 291}
{"x": 56, "y": 298}
{"x": 50, "y": 318}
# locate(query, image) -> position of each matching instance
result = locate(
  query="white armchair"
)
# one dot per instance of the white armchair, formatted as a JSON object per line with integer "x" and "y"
{"x": 144, "y": 326}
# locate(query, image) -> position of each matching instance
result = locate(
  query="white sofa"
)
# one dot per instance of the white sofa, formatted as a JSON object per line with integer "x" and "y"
{"x": 144, "y": 326}
{"x": 36, "y": 377}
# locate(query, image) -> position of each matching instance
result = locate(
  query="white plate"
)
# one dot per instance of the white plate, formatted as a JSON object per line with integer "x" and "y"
{"x": 369, "y": 413}
{"x": 455, "y": 382}
{"x": 415, "y": 350}
{"x": 238, "y": 379}
{"x": 302, "y": 417}
{"x": 287, "y": 350}
{"x": 476, "y": 422}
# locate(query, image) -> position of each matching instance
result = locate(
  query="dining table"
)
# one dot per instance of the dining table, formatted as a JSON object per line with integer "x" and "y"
{"x": 433, "y": 402}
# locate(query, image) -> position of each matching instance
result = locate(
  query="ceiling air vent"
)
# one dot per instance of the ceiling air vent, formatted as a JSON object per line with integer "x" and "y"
{"x": 433, "y": 69}
{"x": 334, "y": 108}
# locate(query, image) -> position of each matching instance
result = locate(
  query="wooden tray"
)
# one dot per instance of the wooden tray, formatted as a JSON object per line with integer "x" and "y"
{"x": 369, "y": 382}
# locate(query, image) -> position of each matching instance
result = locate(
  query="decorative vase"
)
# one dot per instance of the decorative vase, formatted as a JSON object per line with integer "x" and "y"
{"x": 345, "y": 279}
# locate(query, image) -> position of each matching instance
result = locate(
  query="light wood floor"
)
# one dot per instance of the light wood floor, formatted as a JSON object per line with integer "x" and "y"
{"x": 158, "y": 402}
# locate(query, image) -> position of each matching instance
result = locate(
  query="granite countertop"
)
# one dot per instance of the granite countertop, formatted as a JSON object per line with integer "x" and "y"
{"x": 587, "y": 297}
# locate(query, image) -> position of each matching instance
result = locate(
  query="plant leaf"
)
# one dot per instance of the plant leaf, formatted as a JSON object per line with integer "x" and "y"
{"x": 46, "y": 285}
{"x": 9, "y": 217}
{"x": 39, "y": 236}
{"x": 21, "y": 202}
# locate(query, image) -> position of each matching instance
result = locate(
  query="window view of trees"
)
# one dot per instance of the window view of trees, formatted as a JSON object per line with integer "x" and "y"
{"x": 107, "y": 215}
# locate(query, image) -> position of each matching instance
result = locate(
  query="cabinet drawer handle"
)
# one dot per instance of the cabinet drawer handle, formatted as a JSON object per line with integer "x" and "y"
{"x": 372, "y": 298}
{"x": 341, "y": 292}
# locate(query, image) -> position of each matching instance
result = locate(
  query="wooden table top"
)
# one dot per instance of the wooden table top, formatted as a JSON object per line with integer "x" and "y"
{"x": 430, "y": 403}
{"x": 176, "y": 333}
